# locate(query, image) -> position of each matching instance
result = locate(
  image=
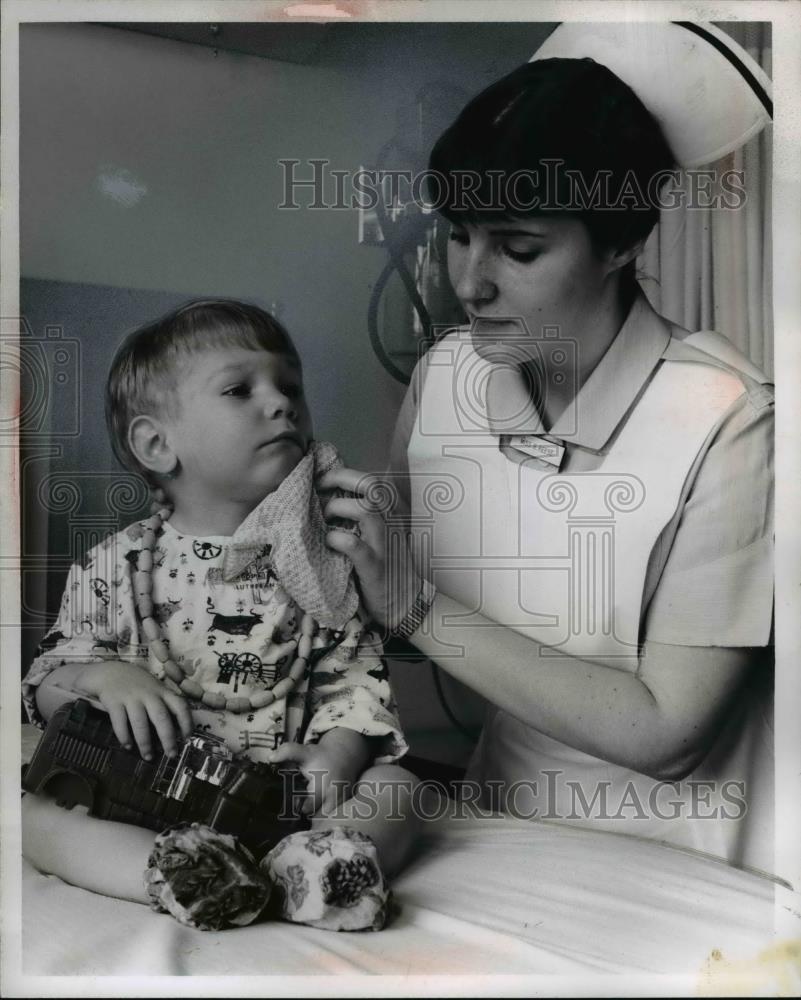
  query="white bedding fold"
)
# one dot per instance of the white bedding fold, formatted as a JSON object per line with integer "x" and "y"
{"x": 485, "y": 896}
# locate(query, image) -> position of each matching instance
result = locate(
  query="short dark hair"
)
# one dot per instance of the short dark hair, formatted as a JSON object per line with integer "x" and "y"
{"x": 571, "y": 110}
{"x": 145, "y": 371}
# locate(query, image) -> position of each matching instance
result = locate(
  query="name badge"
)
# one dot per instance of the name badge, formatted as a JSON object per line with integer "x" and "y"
{"x": 546, "y": 451}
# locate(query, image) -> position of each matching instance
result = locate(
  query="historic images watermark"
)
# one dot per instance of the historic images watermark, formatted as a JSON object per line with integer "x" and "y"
{"x": 554, "y": 796}
{"x": 314, "y": 184}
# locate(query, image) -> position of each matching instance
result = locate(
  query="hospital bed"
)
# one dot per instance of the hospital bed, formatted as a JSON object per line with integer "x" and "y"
{"x": 567, "y": 909}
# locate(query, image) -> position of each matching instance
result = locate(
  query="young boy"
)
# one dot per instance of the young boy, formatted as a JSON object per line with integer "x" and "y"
{"x": 217, "y": 619}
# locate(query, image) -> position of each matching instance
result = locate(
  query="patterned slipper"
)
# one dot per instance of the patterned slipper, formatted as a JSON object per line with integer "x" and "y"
{"x": 329, "y": 879}
{"x": 205, "y": 879}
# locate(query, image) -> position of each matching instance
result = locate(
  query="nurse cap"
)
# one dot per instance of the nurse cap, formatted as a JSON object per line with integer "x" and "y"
{"x": 707, "y": 93}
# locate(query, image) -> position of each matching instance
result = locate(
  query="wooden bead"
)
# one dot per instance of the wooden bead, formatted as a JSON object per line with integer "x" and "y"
{"x": 151, "y": 629}
{"x": 213, "y": 699}
{"x": 145, "y": 561}
{"x": 154, "y": 507}
{"x": 158, "y": 647}
{"x": 143, "y": 582}
{"x": 159, "y": 496}
{"x": 308, "y": 626}
{"x": 262, "y": 699}
{"x": 145, "y": 606}
{"x": 237, "y": 705}
{"x": 148, "y": 538}
{"x": 173, "y": 671}
{"x": 164, "y": 514}
{"x": 304, "y": 647}
{"x": 282, "y": 688}
{"x": 154, "y": 523}
{"x": 191, "y": 689}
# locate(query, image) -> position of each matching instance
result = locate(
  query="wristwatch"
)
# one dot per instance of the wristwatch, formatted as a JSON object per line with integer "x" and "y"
{"x": 413, "y": 618}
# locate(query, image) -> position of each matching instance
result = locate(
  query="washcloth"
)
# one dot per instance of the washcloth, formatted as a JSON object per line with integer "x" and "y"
{"x": 290, "y": 520}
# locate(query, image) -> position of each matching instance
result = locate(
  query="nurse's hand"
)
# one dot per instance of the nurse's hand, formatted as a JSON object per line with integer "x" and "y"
{"x": 380, "y": 554}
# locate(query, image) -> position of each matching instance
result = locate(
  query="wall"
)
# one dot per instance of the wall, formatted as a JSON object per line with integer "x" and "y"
{"x": 148, "y": 163}
{"x": 149, "y": 175}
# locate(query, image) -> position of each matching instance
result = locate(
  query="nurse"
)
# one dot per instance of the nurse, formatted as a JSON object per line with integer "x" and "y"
{"x": 589, "y": 486}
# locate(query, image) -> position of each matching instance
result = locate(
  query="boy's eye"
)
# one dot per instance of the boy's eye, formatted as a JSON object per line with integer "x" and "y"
{"x": 291, "y": 390}
{"x": 240, "y": 390}
{"x": 459, "y": 236}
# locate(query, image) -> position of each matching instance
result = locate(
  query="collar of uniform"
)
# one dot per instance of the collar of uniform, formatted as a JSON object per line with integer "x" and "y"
{"x": 607, "y": 394}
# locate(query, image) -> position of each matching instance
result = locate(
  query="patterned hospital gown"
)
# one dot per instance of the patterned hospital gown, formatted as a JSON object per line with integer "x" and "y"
{"x": 230, "y": 637}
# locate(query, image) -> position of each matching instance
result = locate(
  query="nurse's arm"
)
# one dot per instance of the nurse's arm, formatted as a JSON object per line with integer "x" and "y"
{"x": 660, "y": 720}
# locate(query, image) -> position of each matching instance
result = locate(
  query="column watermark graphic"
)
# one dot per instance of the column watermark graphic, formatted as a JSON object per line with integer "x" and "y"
{"x": 495, "y": 521}
{"x": 66, "y": 509}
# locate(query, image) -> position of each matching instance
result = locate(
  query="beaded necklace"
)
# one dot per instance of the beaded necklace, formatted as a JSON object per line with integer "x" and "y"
{"x": 143, "y": 591}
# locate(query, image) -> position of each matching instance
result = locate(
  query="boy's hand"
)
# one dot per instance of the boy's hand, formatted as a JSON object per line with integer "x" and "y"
{"x": 135, "y": 699}
{"x": 330, "y": 767}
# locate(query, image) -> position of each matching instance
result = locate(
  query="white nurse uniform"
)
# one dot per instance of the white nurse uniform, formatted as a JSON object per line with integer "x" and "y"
{"x": 657, "y": 525}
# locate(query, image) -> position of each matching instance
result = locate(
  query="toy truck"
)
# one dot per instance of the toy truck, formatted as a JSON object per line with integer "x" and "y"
{"x": 80, "y": 761}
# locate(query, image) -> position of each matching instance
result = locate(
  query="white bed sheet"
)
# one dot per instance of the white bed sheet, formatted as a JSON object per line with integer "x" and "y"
{"x": 485, "y": 896}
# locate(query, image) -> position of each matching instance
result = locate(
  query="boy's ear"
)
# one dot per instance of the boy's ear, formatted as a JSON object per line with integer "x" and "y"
{"x": 147, "y": 439}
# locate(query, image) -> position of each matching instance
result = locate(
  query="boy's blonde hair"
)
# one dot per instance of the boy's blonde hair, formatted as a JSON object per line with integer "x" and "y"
{"x": 145, "y": 371}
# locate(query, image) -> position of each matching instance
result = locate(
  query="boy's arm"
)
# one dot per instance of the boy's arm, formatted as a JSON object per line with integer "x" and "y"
{"x": 57, "y": 687}
{"x": 353, "y": 720}
{"x": 134, "y": 699}
{"x": 349, "y": 690}
{"x": 83, "y": 655}
{"x": 79, "y": 637}
{"x": 347, "y": 743}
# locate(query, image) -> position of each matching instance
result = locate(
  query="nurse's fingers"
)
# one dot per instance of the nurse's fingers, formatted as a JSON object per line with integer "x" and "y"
{"x": 366, "y": 558}
{"x": 354, "y": 509}
{"x": 349, "y": 480}
{"x": 387, "y": 588}
{"x": 374, "y": 491}
{"x": 350, "y": 507}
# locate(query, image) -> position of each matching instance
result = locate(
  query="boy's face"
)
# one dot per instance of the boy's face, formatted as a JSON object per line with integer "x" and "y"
{"x": 242, "y": 424}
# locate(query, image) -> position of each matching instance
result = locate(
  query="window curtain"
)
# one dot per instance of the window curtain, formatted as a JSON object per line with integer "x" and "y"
{"x": 709, "y": 268}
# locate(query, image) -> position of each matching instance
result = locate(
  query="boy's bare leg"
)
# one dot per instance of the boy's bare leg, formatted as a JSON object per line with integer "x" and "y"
{"x": 383, "y": 806}
{"x": 95, "y": 854}
{"x": 110, "y": 858}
